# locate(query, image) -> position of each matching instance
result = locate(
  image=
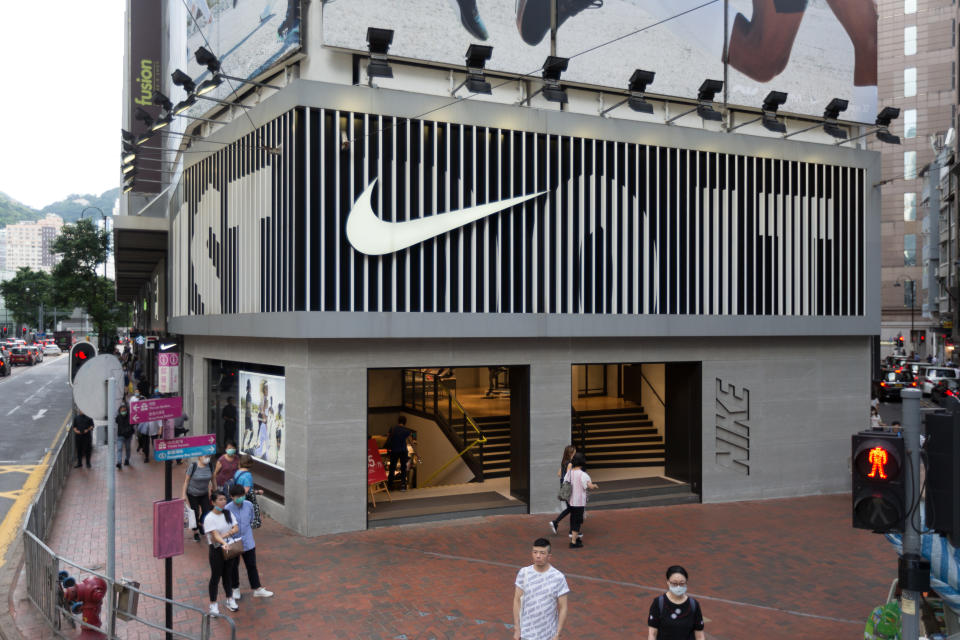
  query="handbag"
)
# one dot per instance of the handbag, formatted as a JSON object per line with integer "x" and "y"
{"x": 232, "y": 548}
{"x": 191, "y": 517}
{"x": 566, "y": 490}
{"x": 257, "y": 517}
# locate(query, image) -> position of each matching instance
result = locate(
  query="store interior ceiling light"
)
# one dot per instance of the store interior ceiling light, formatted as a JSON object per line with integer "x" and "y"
{"x": 128, "y": 157}
{"x": 206, "y": 58}
{"x": 835, "y": 130}
{"x": 183, "y": 80}
{"x": 378, "y": 43}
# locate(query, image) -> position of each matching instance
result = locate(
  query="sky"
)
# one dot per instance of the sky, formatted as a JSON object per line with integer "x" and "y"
{"x": 60, "y": 113}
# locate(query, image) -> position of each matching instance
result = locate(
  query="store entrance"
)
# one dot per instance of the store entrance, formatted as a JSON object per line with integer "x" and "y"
{"x": 639, "y": 426}
{"x": 446, "y": 442}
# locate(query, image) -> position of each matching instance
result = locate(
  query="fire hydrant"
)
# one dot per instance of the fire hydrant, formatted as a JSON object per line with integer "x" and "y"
{"x": 86, "y": 598}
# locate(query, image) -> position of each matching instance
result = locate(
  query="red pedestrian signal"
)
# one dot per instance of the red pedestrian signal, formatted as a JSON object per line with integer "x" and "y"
{"x": 80, "y": 354}
{"x": 879, "y": 500}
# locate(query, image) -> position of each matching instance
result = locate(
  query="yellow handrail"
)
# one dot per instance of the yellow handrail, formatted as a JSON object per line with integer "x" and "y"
{"x": 480, "y": 440}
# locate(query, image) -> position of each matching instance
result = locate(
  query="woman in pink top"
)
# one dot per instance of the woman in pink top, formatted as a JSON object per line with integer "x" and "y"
{"x": 580, "y": 482}
{"x": 227, "y": 465}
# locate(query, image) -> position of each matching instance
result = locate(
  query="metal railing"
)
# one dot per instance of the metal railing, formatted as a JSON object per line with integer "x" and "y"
{"x": 42, "y": 571}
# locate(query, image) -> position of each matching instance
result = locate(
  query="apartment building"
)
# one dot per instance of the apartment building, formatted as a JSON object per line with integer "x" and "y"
{"x": 29, "y": 243}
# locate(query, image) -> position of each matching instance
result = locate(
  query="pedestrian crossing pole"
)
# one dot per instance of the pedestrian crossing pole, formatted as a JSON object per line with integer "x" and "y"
{"x": 111, "y": 411}
{"x": 914, "y": 571}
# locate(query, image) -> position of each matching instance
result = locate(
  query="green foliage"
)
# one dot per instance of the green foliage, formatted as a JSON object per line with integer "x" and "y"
{"x": 13, "y": 211}
{"x": 73, "y": 205}
{"x": 24, "y": 293}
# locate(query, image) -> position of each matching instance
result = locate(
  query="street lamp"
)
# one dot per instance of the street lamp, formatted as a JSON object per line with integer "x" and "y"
{"x": 102, "y": 215}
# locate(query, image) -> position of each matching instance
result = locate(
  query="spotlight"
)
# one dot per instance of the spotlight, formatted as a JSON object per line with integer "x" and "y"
{"x": 128, "y": 168}
{"x": 837, "y": 105}
{"x": 207, "y": 59}
{"x": 886, "y": 115}
{"x": 768, "y": 117}
{"x": 378, "y": 43}
{"x": 129, "y": 147}
{"x": 127, "y": 188}
{"x": 885, "y": 136}
{"x": 835, "y": 130}
{"x": 183, "y": 105}
{"x": 183, "y": 80}
{"x": 144, "y": 137}
{"x": 476, "y": 59}
{"x": 162, "y": 122}
{"x": 555, "y": 94}
{"x": 553, "y": 67}
{"x": 209, "y": 85}
{"x": 705, "y": 95}
{"x": 128, "y": 156}
{"x": 162, "y": 101}
{"x": 143, "y": 116}
{"x": 127, "y": 136}
{"x": 637, "y": 88}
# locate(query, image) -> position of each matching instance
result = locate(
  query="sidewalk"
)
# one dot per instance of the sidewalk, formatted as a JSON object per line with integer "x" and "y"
{"x": 777, "y": 569}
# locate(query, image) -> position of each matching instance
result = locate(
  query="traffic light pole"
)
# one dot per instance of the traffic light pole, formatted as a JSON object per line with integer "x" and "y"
{"x": 910, "y": 598}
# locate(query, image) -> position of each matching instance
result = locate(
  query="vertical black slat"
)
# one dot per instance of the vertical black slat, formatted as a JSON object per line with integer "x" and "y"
{"x": 765, "y": 274}
{"x": 466, "y": 233}
{"x": 506, "y": 220}
{"x": 368, "y": 287}
{"x": 430, "y": 134}
{"x": 790, "y": 259}
{"x": 619, "y": 216}
{"x": 838, "y": 216}
{"x": 609, "y": 187}
{"x": 540, "y": 265}
{"x": 862, "y": 263}
{"x": 416, "y": 197}
{"x": 527, "y": 185}
{"x": 481, "y": 229}
{"x": 400, "y": 294}
{"x": 442, "y": 204}
{"x": 565, "y": 212}
{"x": 344, "y": 200}
{"x": 493, "y": 194}
{"x": 275, "y": 218}
{"x": 663, "y": 226}
{"x": 681, "y": 186}
{"x": 574, "y": 211}
{"x": 331, "y": 234}
{"x": 454, "y": 238}
{"x": 742, "y": 237}
{"x": 362, "y": 155}
{"x": 599, "y": 232}
{"x": 703, "y": 181}
{"x": 634, "y": 217}
{"x": 554, "y": 186}
{"x": 589, "y": 251}
{"x": 517, "y": 230}
{"x": 819, "y": 243}
{"x": 381, "y": 298}
{"x": 313, "y": 148}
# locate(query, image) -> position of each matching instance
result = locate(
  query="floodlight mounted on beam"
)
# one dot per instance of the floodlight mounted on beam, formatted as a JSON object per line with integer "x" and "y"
{"x": 882, "y": 123}
{"x": 768, "y": 114}
{"x": 378, "y": 43}
{"x": 553, "y": 68}
{"x": 476, "y": 59}
{"x": 636, "y": 89}
{"x": 705, "y": 108}
{"x": 829, "y": 124}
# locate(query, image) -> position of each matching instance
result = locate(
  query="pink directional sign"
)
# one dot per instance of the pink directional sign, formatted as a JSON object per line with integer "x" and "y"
{"x": 186, "y": 447}
{"x": 167, "y": 528}
{"x": 155, "y": 409}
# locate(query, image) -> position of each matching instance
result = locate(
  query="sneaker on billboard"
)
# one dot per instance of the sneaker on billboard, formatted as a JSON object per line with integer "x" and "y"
{"x": 470, "y": 18}
{"x": 262, "y": 593}
{"x": 533, "y": 16}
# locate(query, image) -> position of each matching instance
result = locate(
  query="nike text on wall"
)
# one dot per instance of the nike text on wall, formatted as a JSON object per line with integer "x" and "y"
{"x": 403, "y": 222}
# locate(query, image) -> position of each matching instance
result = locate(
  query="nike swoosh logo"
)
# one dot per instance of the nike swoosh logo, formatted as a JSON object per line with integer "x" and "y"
{"x": 372, "y": 236}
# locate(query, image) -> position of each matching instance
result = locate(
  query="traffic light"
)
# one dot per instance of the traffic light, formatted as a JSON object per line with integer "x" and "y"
{"x": 879, "y": 500}
{"x": 923, "y": 338}
{"x": 4, "y": 331}
{"x": 80, "y": 354}
{"x": 942, "y": 448}
{"x": 23, "y": 331}
{"x": 900, "y": 341}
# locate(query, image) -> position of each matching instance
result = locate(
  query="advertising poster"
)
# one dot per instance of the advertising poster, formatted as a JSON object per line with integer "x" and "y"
{"x": 248, "y": 37}
{"x": 262, "y": 433}
{"x": 813, "y": 50}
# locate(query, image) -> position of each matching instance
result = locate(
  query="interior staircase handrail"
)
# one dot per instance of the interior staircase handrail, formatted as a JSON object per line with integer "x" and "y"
{"x": 655, "y": 394}
{"x": 480, "y": 439}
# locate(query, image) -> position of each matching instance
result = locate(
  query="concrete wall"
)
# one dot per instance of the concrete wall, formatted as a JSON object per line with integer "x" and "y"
{"x": 777, "y": 413}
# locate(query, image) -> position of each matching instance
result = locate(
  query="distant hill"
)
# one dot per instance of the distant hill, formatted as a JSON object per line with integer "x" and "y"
{"x": 70, "y": 208}
{"x": 13, "y": 211}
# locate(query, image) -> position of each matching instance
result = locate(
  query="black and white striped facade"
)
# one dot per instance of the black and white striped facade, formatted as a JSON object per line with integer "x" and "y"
{"x": 624, "y": 228}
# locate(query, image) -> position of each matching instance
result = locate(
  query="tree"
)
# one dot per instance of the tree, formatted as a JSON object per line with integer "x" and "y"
{"x": 82, "y": 249}
{"x": 25, "y": 292}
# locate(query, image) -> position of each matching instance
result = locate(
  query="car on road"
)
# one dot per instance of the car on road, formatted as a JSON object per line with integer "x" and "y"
{"x": 890, "y": 383}
{"x": 51, "y": 350}
{"x": 5, "y": 366}
{"x": 22, "y": 355}
{"x": 946, "y": 393}
{"x": 37, "y": 352}
{"x": 932, "y": 374}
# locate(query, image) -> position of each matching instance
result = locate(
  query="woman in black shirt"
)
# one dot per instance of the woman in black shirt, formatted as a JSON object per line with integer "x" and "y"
{"x": 674, "y": 615}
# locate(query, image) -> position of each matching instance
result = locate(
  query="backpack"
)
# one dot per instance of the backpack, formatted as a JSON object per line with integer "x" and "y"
{"x": 693, "y": 605}
{"x": 257, "y": 517}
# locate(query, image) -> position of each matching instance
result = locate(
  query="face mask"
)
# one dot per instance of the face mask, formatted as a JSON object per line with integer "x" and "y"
{"x": 219, "y": 508}
{"x": 238, "y": 501}
{"x": 678, "y": 591}
{"x": 230, "y": 452}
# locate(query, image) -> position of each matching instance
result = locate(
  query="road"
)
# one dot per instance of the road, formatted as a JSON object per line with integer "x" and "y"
{"x": 34, "y": 405}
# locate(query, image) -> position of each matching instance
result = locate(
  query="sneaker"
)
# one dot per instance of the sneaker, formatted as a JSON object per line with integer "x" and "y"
{"x": 470, "y": 18}
{"x": 126, "y": 463}
{"x": 553, "y": 527}
{"x": 236, "y": 595}
{"x": 232, "y": 604}
{"x": 576, "y": 545}
{"x": 533, "y": 16}
{"x": 262, "y": 593}
{"x": 196, "y": 536}
{"x": 214, "y": 609}
{"x": 570, "y": 535}
{"x": 120, "y": 466}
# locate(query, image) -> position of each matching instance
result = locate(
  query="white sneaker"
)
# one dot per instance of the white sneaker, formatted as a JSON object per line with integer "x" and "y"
{"x": 214, "y": 609}
{"x": 236, "y": 595}
{"x": 232, "y": 604}
{"x": 553, "y": 527}
{"x": 262, "y": 593}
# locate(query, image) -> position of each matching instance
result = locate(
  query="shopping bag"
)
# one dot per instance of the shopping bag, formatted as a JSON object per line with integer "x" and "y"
{"x": 190, "y": 517}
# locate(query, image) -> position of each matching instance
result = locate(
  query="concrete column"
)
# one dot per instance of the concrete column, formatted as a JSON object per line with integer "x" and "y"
{"x": 550, "y": 382}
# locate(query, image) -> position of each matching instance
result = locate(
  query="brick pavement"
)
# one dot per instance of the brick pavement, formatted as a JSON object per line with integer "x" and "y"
{"x": 777, "y": 569}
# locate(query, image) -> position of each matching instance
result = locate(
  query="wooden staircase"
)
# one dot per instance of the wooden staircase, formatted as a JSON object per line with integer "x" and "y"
{"x": 618, "y": 438}
{"x": 496, "y": 451}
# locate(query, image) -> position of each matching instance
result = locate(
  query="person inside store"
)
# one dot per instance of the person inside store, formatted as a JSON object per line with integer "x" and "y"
{"x": 399, "y": 444}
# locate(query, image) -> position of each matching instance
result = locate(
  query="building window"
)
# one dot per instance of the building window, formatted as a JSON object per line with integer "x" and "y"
{"x": 909, "y": 6}
{"x": 909, "y": 41}
{"x": 908, "y": 296}
{"x": 910, "y": 123}
{"x": 909, "y": 82}
{"x": 909, "y": 165}
{"x": 909, "y": 207}
{"x": 910, "y": 250}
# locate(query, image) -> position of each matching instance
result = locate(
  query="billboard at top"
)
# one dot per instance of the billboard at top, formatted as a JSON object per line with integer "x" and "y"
{"x": 814, "y": 50}
{"x": 247, "y": 36}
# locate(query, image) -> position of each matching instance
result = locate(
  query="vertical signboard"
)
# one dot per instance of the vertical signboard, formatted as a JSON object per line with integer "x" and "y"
{"x": 146, "y": 74}
{"x": 262, "y": 417}
{"x": 167, "y": 528}
{"x": 168, "y": 372}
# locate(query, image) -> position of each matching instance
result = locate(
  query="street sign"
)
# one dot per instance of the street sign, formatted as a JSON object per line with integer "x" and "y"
{"x": 168, "y": 372}
{"x": 155, "y": 409}
{"x": 188, "y": 447}
{"x": 168, "y": 528}
{"x": 89, "y": 391}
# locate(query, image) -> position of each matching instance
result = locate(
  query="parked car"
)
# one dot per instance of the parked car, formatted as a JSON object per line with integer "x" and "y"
{"x": 22, "y": 355}
{"x": 946, "y": 392}
{"x": 890, "y": 383}
{"x": 4, "y": 361}
{"x": 37, "y": 352}
{"x": 51, "y": 350}
{"x": 932, "y": 374}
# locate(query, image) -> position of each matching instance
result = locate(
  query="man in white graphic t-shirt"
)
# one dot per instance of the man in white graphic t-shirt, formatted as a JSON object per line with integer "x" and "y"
{"x": 540, "y": 598}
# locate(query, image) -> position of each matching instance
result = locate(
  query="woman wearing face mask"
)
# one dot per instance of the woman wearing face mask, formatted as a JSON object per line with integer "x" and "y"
{"x": 227, "y": 465}
{"x": 125, "y": 432}
{"x": 197, "y": 488}
{"x": 243, "y": 514}
{"x": 220, "y": 526}
{"x": 674, "y": 615}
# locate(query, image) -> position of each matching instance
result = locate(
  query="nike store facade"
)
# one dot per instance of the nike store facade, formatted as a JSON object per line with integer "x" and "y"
{"x": 336, "y": 244}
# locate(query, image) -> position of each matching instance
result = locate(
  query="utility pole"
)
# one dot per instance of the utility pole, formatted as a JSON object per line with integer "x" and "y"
{"x": 914, "y": 571}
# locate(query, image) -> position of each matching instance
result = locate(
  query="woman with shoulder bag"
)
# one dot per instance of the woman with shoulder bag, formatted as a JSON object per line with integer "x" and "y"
{"x": 580, "y": 482}
{"x": 221, "y": 526}
{"x": 561, "y": 472}
{"x": 197, "y": 487}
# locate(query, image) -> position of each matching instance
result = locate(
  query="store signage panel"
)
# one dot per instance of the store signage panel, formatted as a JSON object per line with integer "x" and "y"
{"x": 798, "y": 47}
{"x": 146, "y": 78}
{"x": 262, "y": 423}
